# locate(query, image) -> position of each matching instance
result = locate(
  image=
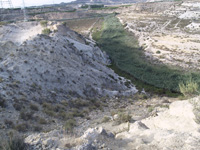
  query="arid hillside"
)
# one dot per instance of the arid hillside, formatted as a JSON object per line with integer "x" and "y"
{"x": 48, "y": 70}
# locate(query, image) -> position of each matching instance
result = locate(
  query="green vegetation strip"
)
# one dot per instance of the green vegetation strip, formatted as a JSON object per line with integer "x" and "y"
{"x": 69, "y": 11}
{"x": 127, "y": 56}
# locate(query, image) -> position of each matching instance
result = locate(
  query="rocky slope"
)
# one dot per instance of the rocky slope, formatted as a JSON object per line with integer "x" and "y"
{"x": 59, "y": 64}
{"x": 42, "y": 74}
{"x": 174, "y": 128}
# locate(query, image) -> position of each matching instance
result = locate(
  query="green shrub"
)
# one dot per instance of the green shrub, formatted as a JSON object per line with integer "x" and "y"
{"x": 69, "y": 125}
{"x": 18, "y": 106}
{"x": 9, "y": 123}
{"x": 22, "y": 127}
{"x": 64, "y": 23}
{"x": 14, "y": 143}
{"x": 26, "y": 115}
{"x": 122, "y": 117}
{"x": 105, "y": 119}
{"x": 37, "y": 128}
{"x": 42, "y": 121}
{"x": 158, "y": 52}
{"x": 189, "y": 88}
{"x": 46, "y": 31}
{"x": 150, "y": 109}
{"x": 47, "y": 105}
{"x": 2, "y": 103}
{"x": 50, "y": 113}
{"x": 43, "y": 23}
{"x": 34, "y": 107}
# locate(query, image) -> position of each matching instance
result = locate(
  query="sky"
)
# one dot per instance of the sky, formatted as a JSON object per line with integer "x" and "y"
{"x": 18, "y": 3}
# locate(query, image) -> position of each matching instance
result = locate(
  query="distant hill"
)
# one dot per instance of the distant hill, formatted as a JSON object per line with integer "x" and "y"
{"x": 108, "y": 1}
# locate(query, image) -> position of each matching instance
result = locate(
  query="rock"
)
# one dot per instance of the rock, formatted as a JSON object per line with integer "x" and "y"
{"x": 92, "y": 133}
{"x": 115, "y": 117}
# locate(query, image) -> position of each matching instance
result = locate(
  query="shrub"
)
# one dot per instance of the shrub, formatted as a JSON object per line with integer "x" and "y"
{"x": 37, "y": 128}
{"x": 2, "y": 103}
{"x": 51, "y": 113}
{"x": 189, "y": 89}
{"x": 14, "y": 143}
{"x": 26, "y": 115}
{"x": 122, "y": 117}
{"x": 69, "y": 125}
{"x": 49, "y": 109}
{"x": 158, "y": 52}
{"x": 43, "y": 23}
{"x": 140, "y": 96}
{"x": 22, "y": 127}
{"x": 105, "y": 119}
{"x": 64, "y": 23}
{"x": 42, "y": 121}
{"x": 34, "y": 107}
{"x": 47, "y": 105}
{"x": 18, "y": 106}
{"x": 46, "y": 31}
{"x": 8, "y": 123}
{"x": 150, "y": 109}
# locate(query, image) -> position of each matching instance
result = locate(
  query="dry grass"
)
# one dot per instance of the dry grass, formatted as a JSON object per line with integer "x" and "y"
{"x": 189, "y": 88}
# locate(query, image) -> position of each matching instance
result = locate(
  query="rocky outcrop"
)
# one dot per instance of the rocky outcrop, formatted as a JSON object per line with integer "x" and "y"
{"x": 174, "y": 129}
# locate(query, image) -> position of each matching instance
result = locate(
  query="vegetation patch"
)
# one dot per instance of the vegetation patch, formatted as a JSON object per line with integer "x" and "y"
{"x": 43, "y": 23}
{"x": 13, "y": 143}
{"x": 105, "y": 119}
{"x": 2, "y": 102}
{"x": 122, "y": 117}
{"x": 69, "y": 125}
{"x": 189, "y": 88}
{"x": 46, "y": 31}
{"x": 127, "y": 56}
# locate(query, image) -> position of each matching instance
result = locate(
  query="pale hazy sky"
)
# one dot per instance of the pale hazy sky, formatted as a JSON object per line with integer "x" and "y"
{"x": 17, "y": 3}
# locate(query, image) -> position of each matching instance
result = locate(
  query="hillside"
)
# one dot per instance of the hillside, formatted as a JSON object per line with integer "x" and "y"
{"x": 63, "y": 60}
{"x": 39, "y": 72}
